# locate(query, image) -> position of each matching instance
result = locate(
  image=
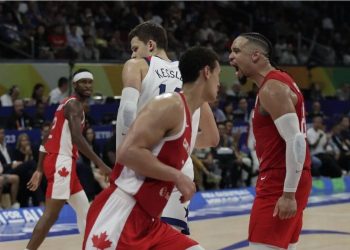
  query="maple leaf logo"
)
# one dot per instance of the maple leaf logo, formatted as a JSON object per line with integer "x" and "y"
{"x": 101, "y": 242}
{"x": 63, "y": 172}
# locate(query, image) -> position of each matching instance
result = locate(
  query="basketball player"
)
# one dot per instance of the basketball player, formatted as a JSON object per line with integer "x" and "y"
{"x": 57, "y": 158}
{"x": 150, "y": 158}
{"x": 284, "y": 180}
{"x": 150, "y": 73}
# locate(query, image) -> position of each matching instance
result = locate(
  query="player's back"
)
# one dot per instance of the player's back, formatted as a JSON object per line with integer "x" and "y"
{"x": 59, "y": 140}
{"x": 162, "y": 77}
{"x": 270, "y": 146}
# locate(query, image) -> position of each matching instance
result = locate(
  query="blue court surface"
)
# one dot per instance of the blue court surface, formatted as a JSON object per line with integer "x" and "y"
{"x": 18, "y": 224}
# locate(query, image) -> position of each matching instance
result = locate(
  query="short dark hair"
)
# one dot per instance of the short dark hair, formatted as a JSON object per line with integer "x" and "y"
{"x": 150, "y": 31}
{"x": 62, "y": 81}
{"x": 260, "y": 40}
{"x": 194, "y": 60}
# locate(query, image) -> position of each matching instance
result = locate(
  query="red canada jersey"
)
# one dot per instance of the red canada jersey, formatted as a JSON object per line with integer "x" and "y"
{"x": 270, "y": 146}
{"x": 59, "y": 140}
{"x": 151, "y": 194}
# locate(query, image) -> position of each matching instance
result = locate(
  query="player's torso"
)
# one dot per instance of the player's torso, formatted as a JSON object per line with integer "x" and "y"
{"x": 59, "y": 140}
{"x": 270, "y": 146}
{"x": 153, "y": 194}
{"x": 162, "y": 77}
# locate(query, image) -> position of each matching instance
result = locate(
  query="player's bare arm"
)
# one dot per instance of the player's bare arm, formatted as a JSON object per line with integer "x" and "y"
{"x": 73, "y": 112}
{"x": 278, "y": 100}
{"x": 135, "y": 151}
{"x": 134, "y": 71}
{"x": 209, "y": 133}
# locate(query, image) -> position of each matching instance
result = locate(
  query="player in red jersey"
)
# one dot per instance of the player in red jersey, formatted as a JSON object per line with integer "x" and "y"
{"x": 127, "y": 214}
{"x": 57, "y": 159}
{"x": 284, "y": 181}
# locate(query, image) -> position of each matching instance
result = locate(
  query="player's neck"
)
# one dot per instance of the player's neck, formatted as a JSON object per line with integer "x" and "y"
{"x": 260, "y": 76}
{"x": 161, "y": 54}
{"x": 193, "y": 99}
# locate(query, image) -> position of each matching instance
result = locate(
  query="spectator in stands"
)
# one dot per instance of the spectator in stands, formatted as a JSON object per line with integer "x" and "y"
{"x": 19, "y": 120}
{"x": 343, "y": 93}
{"x": 7, "y": 179}
{"x": 345, "y": 128}
{"x": 218, "y": 113}
{"x": 319, "y": 146}
{"x": 89, "y": 135}
{"x": 9, "y": 98}
{"x": 235, "y": 92}
{"x": 287, "y": 56}
{"x": 60, "y": 92}
{"x": 315, "y": 111}
{"x": 341, "y": 147}
{"x": 58, "y": 41}
{"x": 109, "y": 150}
{"x": 74, "y": 40}
{"x": 90, "y": 51}
{"x": 24, "y": 154}
{"x": 242, "y": 112}
{"x": 39, "y": 117}
{"x": 38, "y": 95}
{"x": 316, "y": 92}
{"x": 228, "y": 110}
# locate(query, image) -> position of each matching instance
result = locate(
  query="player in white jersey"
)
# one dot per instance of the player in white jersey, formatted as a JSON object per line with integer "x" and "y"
{"x": 150, "y": 73}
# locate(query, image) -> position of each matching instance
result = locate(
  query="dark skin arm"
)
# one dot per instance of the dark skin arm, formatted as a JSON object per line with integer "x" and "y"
{"x": 73, "y": 112}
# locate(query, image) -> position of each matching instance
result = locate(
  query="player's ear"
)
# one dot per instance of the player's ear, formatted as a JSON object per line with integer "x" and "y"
{"x": 151, "y": 45}
{"x": 255, "y": 56}
{"x": 206, "y": 71}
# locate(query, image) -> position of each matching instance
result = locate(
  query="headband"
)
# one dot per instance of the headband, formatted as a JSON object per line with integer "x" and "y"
{"x": 82, "y": 75}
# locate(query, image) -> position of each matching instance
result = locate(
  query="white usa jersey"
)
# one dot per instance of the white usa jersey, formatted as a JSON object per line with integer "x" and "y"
{"x": 162, "y": 77}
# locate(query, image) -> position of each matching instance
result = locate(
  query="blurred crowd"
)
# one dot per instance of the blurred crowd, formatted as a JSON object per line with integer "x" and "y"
{"x": 303, "y": 32}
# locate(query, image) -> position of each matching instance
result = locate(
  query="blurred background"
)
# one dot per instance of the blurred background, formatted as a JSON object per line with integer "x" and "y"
{"x": 42, "y": 43}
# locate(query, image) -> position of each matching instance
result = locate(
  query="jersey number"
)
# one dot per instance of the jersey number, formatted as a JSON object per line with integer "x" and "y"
{"x": 162, "y": 88}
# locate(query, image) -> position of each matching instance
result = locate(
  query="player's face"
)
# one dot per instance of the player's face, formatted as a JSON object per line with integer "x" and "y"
{"x": 139, "y": 49}
{"x": 214, "y": 82}
{"x": 83, "y": 87}
{"x": 240, "y": 57}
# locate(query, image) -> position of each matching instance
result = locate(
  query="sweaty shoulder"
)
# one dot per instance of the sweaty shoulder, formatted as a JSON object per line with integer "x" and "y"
{"x": 168, "y": 102}
{"x": 136, "y": 63}
{"x": 275, "y": 98}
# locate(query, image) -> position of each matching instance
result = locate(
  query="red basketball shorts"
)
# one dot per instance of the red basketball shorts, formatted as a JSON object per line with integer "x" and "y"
{"x": 116, "y": 221}
{"x": 263, "y": 227}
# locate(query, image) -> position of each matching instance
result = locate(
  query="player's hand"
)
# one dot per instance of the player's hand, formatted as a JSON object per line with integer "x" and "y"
{"x": 186, "y": 187}
{"x": 105, "y": 170}
{"x": 34, "y": 182}
{"x": 286, "y": 206}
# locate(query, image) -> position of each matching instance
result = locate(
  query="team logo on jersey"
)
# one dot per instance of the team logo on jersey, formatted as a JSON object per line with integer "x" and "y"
{"x": 63, "y": 172}
{"x": 186, "y": 146}
{"x": 163, "y": 192}
{"x": 101, "y": 241}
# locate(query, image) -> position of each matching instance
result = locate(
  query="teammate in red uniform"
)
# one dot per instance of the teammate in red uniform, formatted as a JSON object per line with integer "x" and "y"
{"x": 284, "y": 181}
{"x": 57, "y": 158}
{"x": 127, "y": 214}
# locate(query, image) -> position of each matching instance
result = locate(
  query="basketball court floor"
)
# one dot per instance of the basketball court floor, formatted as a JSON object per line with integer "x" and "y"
{"x": 326, "y": 227}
